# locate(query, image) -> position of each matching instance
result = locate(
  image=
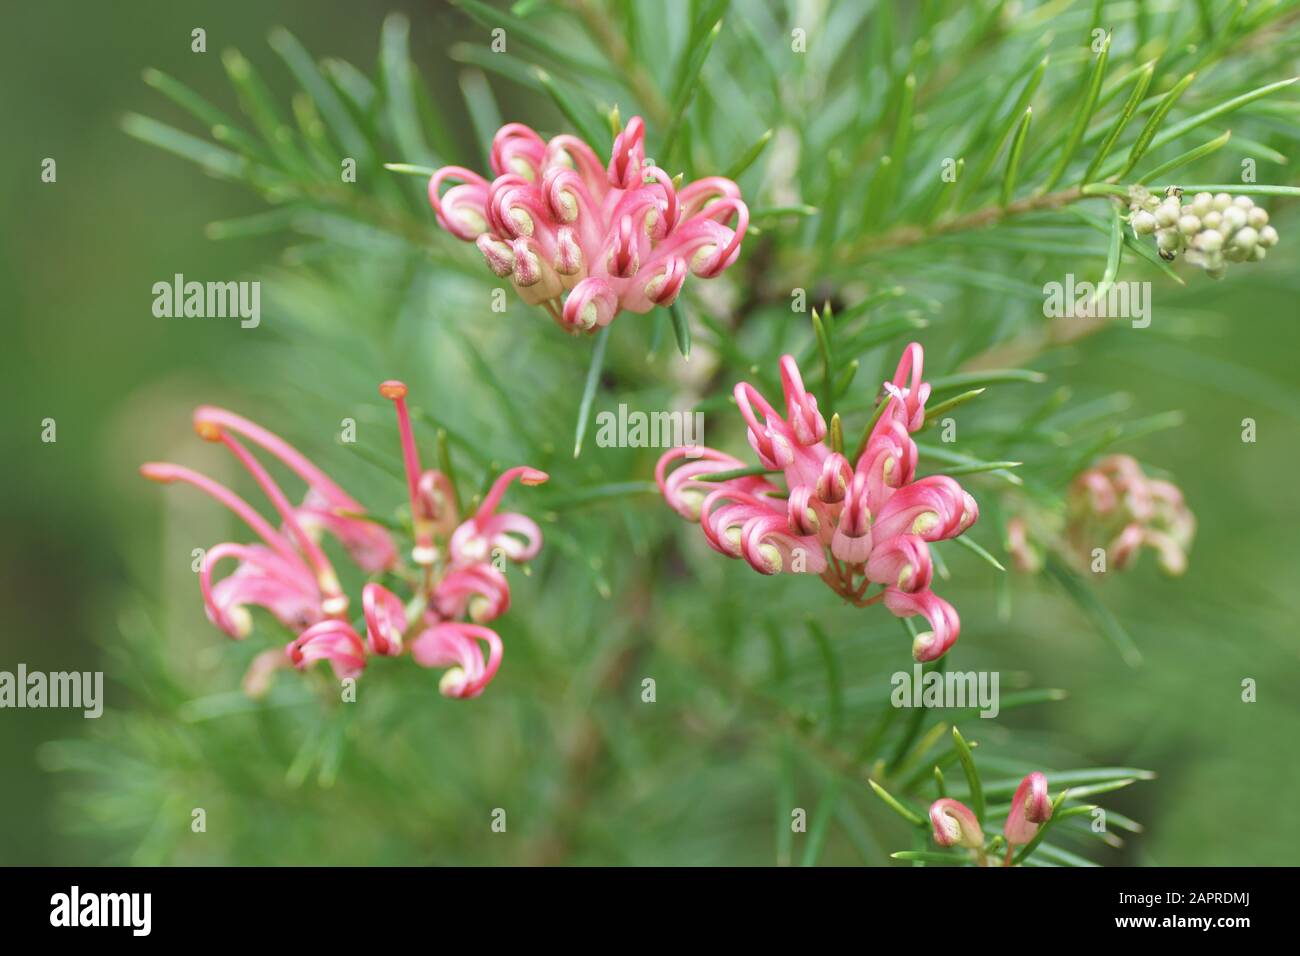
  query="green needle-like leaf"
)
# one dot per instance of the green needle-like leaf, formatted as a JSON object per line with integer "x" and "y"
{"x": 1145, "y": 138}
{"x": 1140, "y": 84}
{"x": 1013, "y": 158}
{"x": 1081, "y": 119}
{"x": 589, "y": 389}
{"x": 967, "y": 760}
{"x": 911, "y": 816}
{"x": 1191, "y": 156}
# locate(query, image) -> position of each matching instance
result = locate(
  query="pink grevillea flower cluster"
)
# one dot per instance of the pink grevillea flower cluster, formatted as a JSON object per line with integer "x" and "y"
{"x": 614, "y": 236}
{"x": 1115, "y": 506}
{"x": 856, "y": 524}
{"x": 952, "y": 823}
{"x": 456, "y": 585}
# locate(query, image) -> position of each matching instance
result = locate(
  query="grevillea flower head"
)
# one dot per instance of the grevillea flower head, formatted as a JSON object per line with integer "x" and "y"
{"x": 453, "y": 575}
{"x": 1208, "y": 229}
{"x": 1114, "y": 505}
{"x": 954, "y": 824}
{"x": 1030, "y": 807}
{"x": 587, "y": 239}
{"x": 856, "y": 524}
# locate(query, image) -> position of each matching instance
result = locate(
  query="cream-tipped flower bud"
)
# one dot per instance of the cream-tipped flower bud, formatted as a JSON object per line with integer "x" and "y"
{"x": 1189, "y": 225}
{"x": 1257, "y": 217}
{"x": 1167, "y": 213}
{"x": 1030, "y": 807}
{"x": 1143, "y": 223}
{"x": 1234, "y": 217}
{"x": 1245, "y": 238}
{"x": 952, "y": 823}
{"x": 1221, "y": 201}
{"x": 1268, "y": 237}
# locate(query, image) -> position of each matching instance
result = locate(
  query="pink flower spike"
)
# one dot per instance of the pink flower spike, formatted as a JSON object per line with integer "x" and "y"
{"x": 587, "y": 240}
{"x": 945, "y": 626}
{"x": 385, "y": 619}
{"x": 954, "y": 824}
{"x": 332, "y": 641}
{"x": 1030, "y": 807}
{"x": 456, "y": 647}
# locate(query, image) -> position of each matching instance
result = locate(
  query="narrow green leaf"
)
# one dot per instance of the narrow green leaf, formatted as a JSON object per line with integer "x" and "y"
{"x": 903, "y": 811}
{"x": 1098, "y": 613}
{"x": 410, "y": 169}
{"x": 979, "y": 467}
{"x": 821, "y": 822}
{"x": 834, "y": 691}
{"x": 982, "y": 379}
{"x": 395, "y": 64}
{"x": 822, "y": 335}
{"x": 585, "y": 496}
{"x": 1113, "y": 251}
{"x": 935, "y": 412}
{"x": 1145, "y": 138}
{"x": 589, "y": 390}
{"x": 337, "y": 118}
{"x": 1140, "y": 84}
{"x": 1082, "y": 117}
{"x": 1214, "y": 112}
{"x": 972, "y": 775}
{"x": 975, "y": 548}
{"x": 1191, "y": 156}
{"x": 585, "y": 118}
{"x": 1016, "y": 116}
{"x": 1013, "y": 158}
{"x": 529, "y": 35}
{"x": 214, "y": 159}
{"x": 1246, "y": 189}
{"x": 681, "y": 329}
{"x": 733, "y": 473}
{"x": 687, "y": 85}
{"x": 749, "y": 156}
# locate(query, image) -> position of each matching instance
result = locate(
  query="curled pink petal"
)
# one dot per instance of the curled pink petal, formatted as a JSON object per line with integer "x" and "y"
{"x": 456, "y": 647}
{"x": 385, "y": 619}
{"x": 591, "y": 304}
{"x": 954, "y": 824}
{"x": 945, "y": 626}
{"x": 332, "y": 641}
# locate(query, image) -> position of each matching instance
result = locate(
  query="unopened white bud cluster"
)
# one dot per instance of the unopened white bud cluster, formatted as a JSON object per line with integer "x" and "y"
{"x": 1209, "y": 230}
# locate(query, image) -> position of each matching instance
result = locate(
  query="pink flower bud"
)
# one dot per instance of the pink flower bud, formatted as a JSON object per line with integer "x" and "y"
{"x": 1030, "y": 807}
{"x": 953, "y": 824}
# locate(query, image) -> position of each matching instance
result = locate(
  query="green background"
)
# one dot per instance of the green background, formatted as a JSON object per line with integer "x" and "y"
{"x": 86, "y": 556}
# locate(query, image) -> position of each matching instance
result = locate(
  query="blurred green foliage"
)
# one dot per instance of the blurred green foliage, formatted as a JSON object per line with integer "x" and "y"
{"x": 769, "y": 696}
